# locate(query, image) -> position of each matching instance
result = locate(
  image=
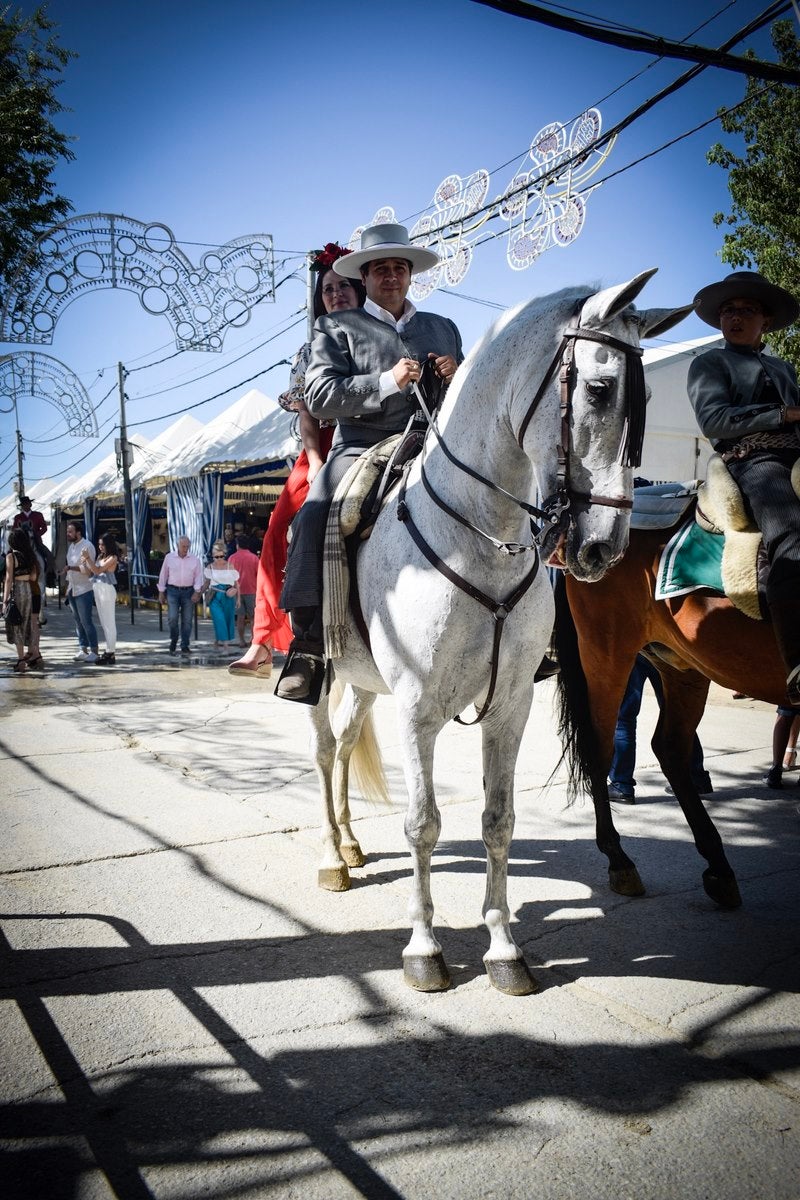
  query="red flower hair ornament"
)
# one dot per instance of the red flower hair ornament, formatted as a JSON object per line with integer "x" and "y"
{"x": 323, "y": 260}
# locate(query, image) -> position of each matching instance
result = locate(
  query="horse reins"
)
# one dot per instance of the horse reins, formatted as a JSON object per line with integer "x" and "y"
{"x": 556, "y": 508}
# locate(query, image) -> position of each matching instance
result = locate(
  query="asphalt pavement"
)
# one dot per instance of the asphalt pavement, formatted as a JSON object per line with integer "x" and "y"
{"x": 185, "y": 1014}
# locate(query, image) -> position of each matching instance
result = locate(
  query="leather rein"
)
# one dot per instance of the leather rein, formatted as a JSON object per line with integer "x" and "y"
{"x": 556, "y": 508}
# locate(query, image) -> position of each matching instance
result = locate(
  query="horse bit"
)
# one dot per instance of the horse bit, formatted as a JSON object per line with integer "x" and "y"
{"x": 556, "y": 509}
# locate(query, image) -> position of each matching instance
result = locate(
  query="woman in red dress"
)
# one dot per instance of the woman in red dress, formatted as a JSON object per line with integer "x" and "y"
{"x": 271, "y": 628}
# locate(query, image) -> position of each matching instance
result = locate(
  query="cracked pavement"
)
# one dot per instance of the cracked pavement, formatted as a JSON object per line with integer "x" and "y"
{"x": 184, "y": 1013}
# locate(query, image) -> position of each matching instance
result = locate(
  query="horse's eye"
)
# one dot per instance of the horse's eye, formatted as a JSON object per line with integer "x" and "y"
{"x": 600, "y": 389}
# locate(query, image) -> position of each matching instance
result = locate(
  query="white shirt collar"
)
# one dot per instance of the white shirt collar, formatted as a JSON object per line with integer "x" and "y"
{"x": 375, "y": 310}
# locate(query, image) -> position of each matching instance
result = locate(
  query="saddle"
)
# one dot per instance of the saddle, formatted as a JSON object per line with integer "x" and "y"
{"x": 719, "y": 548}
{"x": 357, "y": 502}
{"x": 353, "y": 500}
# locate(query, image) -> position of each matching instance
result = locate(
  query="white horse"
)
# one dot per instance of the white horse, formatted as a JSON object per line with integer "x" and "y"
{"x": 434, "y": 645}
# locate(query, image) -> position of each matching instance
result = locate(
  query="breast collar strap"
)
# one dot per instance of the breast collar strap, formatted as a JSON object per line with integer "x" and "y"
{"x": 499, "y": 609}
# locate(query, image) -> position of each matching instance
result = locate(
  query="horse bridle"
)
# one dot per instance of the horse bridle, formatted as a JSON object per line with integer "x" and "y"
{"x": 635, "y": 399}
{"x": 556, "y": 509}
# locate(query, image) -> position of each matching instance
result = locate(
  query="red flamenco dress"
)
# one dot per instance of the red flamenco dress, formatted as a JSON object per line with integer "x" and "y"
{"x": 271, "y": 625}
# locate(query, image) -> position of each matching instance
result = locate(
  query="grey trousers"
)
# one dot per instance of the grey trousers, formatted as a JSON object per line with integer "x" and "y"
{"x": 765, "y": 481}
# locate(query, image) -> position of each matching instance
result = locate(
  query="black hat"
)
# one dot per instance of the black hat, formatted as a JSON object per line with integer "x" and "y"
{"x": 779, "y": 304}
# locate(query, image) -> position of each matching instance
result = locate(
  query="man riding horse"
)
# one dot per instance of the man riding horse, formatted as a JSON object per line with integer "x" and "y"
{"x": 747, "y": 404}
{"x": 363, "y": 363}
{"x": 33, "y": 522}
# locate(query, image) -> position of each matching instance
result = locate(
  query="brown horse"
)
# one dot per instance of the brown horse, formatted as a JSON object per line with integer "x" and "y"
{"x": 600, "y": 628}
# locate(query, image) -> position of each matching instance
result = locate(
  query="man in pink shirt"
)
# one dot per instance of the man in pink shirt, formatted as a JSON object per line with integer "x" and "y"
{"x": 181, "y": 578}
{"x": 246, "y": 563}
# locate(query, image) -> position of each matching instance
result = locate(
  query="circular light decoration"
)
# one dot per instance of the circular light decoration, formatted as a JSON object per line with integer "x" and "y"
{"x": 104, "y": 250}
{"x": 35, "y": 376}
{"x": 568, "y": 225}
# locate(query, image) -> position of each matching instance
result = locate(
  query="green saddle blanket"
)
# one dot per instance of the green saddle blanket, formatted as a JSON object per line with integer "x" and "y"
{"x": 691, "y": 559}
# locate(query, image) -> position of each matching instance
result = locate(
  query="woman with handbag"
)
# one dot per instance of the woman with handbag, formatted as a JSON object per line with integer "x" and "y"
{"x": 22, "y": 571}
{"x": 222, "y": 582}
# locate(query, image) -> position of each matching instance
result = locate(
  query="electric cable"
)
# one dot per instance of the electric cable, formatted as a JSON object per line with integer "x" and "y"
{"x": 224, "y": 366}
{"x": 199, "y": 404}
{"x": 625, "y": 122}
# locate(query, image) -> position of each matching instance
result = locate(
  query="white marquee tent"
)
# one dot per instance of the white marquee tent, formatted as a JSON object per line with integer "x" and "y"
{"x": 674, "y": 448}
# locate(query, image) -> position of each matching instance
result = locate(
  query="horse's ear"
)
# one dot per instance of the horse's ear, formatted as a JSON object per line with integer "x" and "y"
{"x": 611, "y": 301}
{"x": 654, "y": 321}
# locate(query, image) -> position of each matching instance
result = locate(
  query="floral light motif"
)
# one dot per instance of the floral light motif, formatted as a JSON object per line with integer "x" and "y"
{"x": 544, "y": 205}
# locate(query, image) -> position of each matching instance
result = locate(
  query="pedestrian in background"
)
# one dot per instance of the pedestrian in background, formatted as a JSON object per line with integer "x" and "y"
{"x": 222, "y": 582}
{"x": 22, "y": 569}
{"x": 621, "y": 783}
{"x": 246, "y": 563}
{"x": 104, "y": 582}
{"x": 80, "y": 593}
{"x": 180, "y": 579}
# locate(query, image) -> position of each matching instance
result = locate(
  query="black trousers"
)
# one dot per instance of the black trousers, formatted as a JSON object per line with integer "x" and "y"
{"x": 302, "y": 586}
{"x": 765, "y": 481}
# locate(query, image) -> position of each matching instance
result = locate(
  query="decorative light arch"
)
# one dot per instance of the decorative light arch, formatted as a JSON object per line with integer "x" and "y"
{"x": 41, "y": 377}
{"x": 544, "y": 205}
{"x": 104, "y": 250}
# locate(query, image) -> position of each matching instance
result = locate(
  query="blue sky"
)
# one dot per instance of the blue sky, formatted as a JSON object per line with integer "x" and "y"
{"x": 301, "y": 119}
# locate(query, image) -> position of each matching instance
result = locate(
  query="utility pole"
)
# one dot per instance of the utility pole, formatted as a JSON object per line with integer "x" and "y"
{"x": 309, "y": 298}
{"x": 125, "y": 454}
{"x": 20, "y": 457}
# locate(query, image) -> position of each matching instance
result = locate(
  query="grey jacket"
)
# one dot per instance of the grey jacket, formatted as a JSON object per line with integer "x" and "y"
{"x": 349, "y": 353}
{"x": 735, "y": 391}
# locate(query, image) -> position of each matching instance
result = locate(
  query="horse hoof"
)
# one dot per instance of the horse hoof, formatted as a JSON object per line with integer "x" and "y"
{"x": 510, "y": 976}
{"x": 334, "y": 879}
{"x": 426, "y": 973}
{"x": 626, "y": 882}
{"x": 353, "y": 855}
{"x": 723, "y": 890}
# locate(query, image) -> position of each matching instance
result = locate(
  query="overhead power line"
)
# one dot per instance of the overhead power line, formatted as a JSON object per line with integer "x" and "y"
{"x": 189, "y": 407}
{"x": 651, "y": 43}
{"x": 625, "y": 122}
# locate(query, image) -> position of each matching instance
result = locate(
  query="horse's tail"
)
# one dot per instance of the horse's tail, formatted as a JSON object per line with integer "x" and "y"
{"x": 575, "y": 728}
{"x": 366, "y": 763}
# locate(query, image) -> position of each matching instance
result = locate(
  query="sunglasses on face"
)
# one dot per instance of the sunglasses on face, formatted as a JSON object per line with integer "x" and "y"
{"x": 747, "y": 311}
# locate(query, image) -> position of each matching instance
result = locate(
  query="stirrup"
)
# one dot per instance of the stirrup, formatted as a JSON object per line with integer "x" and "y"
{"x": 312, "y": 666}
{"x": 793, "y": 687}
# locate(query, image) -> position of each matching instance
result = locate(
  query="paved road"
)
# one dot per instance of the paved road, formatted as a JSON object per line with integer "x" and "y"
{"x": 184, "y": 1014}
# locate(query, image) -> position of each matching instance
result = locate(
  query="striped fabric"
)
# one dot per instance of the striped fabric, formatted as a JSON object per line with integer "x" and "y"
{"x": 213, "y": 494}
{"x": 183, "y": 519}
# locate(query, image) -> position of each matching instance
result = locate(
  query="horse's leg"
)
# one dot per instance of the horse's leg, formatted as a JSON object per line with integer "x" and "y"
{"x": 424, "y": 967}
{"x": 623, "y": 875}
{"x": 347, "y": 723}
{"x": 684, "y": 701}
{"x": 333, "y": 874}
{"x": 502, "y": 734}
{"x": 595, "y": 666}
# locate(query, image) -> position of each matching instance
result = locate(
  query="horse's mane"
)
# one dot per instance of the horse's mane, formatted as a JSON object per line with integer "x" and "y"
{"x": 544, "y": 306}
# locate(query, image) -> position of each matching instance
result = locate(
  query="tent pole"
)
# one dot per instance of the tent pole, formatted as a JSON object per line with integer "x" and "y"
{"x": 126, "y": 455}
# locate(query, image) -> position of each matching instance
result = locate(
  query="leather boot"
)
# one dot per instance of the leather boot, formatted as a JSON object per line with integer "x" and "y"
{"x": 303, "y": 674}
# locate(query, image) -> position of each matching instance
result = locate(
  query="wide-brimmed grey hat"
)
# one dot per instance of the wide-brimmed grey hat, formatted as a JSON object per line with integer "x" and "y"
{"x": 781, "y": 305}
{"x": 385, "y": 241}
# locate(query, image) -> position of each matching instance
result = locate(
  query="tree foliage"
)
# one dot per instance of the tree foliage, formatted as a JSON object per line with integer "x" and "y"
{"x": 31, "y": 66}
{"x": 763, "y": 227}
